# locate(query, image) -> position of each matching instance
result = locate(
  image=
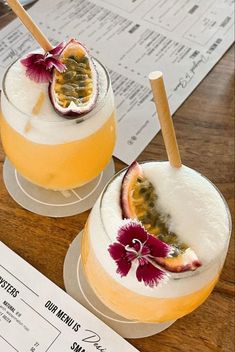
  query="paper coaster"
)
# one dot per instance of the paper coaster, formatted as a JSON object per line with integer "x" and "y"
{"x": 77, "y": 286}
{"x": 54, "y": 203}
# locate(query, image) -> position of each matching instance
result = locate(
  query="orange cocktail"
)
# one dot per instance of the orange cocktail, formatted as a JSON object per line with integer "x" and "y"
{"x": 48, "y": 149}
{"x": 188, "y": 199}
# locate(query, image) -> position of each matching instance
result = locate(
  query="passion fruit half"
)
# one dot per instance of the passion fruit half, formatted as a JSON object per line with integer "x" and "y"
{"x": 139, "y": 201}
{"x": 74, "y": 92}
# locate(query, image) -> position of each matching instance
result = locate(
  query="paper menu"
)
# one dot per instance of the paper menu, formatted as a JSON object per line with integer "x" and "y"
{"x": 37, "y": 316}
{"x": 184, "y": 39}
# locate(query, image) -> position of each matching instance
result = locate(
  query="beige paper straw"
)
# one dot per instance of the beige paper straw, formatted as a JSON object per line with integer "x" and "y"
{"x": 164, "y": 115}
{"x": 29, "y": 24}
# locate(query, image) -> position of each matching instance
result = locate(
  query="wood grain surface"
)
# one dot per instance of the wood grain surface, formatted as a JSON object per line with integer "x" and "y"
{"x": 205, "y": 131}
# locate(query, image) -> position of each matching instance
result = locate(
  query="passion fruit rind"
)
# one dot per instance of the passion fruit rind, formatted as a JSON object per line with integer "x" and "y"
{"x": 187, "y": 261}
{"x": 133, "y": 172}
{"x": 74, "y": 92}
{"x": 138, "y": 200}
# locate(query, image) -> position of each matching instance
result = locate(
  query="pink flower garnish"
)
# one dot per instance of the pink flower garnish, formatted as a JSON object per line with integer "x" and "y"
{"x": 39, "y": 66}
{"x": 135, "y": 244}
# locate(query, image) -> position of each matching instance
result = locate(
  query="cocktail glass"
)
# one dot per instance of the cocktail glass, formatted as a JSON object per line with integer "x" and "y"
{"x": 183, "y": 292}
{"x": 59, "y": 155}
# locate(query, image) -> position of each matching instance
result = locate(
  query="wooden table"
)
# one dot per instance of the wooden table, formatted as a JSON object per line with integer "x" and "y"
{"x": 205, "y": 131}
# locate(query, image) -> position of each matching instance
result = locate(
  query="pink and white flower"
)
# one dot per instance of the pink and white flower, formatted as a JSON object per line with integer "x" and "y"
{"x": 39, "y": 66}
{"x": 135, "y": 244}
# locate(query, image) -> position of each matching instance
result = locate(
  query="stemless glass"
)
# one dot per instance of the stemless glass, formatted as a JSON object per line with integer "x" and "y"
{"x": 183, "y": 292}
{"x": 63, "y": 154}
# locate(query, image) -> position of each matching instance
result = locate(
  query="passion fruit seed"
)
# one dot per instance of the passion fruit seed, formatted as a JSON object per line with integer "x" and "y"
{"x": 69, "y": 76}
{"x": 77, "y": 84}
{"x": 74, "y": 65}
{"x": 75, "y": 87}
{"x": 144, "y": 198}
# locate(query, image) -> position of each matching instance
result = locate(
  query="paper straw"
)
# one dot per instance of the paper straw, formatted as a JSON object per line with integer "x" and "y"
{"x": 18, "y": 9}
{"x": 164, "y": 115}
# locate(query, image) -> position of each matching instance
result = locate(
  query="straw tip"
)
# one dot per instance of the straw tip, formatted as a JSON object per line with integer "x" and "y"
{"x": 154, "y": 75}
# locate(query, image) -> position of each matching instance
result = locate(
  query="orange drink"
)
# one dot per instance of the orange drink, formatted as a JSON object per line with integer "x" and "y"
{"x": 47, "y": 149}
{"x": 192, "y": 219}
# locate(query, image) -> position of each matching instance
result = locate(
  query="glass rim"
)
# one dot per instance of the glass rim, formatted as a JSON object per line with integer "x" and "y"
{"x": 186, "y": 274}
{"x": 65, "y": 121}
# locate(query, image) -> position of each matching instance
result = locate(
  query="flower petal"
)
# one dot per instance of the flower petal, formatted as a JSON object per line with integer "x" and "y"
{"x": 117, "y": 251}
{"x": 58, "y": 49}
{"x": 149, "y": 274}
{"x": 51, "y": 61}
{"x": 31, "y": 59}
{"x": 39, "y": 66}
{"x": 132, "y": 229}
{"x": 124, "y": 266}
{"x": 38, "y": 74}
{"x": 157, "y": 247}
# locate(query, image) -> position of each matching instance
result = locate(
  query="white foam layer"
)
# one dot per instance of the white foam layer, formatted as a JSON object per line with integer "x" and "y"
{"x": 197, "y": 212}
{"x": 198, "y": 216}
{"x": 48, "y": 127}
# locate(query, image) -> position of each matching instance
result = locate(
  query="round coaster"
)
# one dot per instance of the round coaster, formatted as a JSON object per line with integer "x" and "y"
{"x": 77, "y": 286}
{"x": 54, "y": 203}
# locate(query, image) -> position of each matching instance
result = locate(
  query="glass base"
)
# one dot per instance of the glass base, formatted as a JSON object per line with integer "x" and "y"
{"x": 54, "y": 203}
{"x": 77, "y": 286}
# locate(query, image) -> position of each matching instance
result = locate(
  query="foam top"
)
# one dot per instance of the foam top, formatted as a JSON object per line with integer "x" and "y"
{"x": 197, "y": 212}
{"x": 48, "y": 127}
{"x": 198, "y": 216}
